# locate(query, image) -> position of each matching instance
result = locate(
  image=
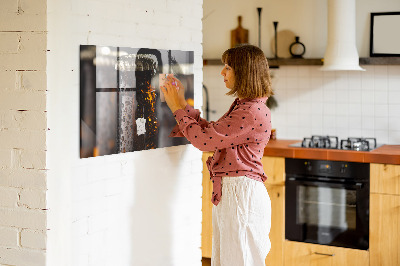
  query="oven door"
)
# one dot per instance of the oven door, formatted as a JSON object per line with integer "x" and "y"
{"x": 327, "y": 213}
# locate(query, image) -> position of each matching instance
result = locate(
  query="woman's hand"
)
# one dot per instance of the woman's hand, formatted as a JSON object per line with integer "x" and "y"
{"x": 181, "y": 90}
{"x": 173, "y": 94}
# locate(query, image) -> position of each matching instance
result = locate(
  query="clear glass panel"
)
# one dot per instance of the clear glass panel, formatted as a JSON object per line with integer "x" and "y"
{"x": 329, "y": 207}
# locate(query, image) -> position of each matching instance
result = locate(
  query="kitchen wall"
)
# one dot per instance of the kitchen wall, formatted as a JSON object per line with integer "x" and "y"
{"x": 140, "y": 208}
{"x": 343, "y": 103}
{"x": 23, "y": 120}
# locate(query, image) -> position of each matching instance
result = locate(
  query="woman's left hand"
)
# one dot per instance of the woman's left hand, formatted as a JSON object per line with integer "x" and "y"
{"x": 170, "y": 90}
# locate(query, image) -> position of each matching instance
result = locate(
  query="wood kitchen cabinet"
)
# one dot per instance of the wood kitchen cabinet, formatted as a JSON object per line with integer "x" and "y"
{"x": 385, "y": 178}
{"x": 274, "y": 168}
{"x": 385, "y": 215}
{"x": 206, "y": 225}
{"x": 305, "y": 254}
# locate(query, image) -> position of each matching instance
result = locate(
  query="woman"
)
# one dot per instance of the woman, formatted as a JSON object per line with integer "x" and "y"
{"x": 242, "y": 208}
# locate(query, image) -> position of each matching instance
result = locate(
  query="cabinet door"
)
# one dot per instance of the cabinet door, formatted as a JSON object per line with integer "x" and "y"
{"x": 384, "y": 230}
{"x": 274, "y": 168}
{"x": 385, "y": 178}
{"x": 304, "y": 254}
{"x": 277, "y": 233}
{"x": 206, "y": 232}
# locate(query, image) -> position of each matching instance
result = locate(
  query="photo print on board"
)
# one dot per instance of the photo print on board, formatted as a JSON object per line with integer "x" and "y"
{"x": 121, "y": 104}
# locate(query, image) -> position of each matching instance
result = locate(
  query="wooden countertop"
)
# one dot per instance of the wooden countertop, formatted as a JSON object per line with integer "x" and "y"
{"x": 389, "y": 154}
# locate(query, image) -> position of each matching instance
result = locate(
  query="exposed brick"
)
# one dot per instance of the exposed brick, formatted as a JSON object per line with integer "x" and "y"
{"x": 8, "y": 237}
{"x": 33, "y": 61}
{"x": 7, "y": 80}
{"x": 22, "y": 139}
{"x": 14, "y": 119}
{"x": 5, "y": 158}
{"x": 33, "y": 239}
{"x": 35, "y": 159}
{"x": 31, "y": 80}
{"x": 8, "y": 6}
{"x": 23, "y": 178}
{"x": 9, "y": 42}
{"x": 23, "y": 100}
{"x": 33, "y": 7}
{"x": 31, "y": 53}
{"x": 8, "y": 197}
{"x": 17, "y": 256}
{"x": 23, "y": 218}
{"x": 24, "y": 22}
{"x": 33, "y": 42}
{"x": 15, "y": 158}
{"x": 33, "y": 199}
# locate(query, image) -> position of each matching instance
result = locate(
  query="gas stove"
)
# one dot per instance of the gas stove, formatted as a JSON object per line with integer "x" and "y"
{"x": 332, "y": 142}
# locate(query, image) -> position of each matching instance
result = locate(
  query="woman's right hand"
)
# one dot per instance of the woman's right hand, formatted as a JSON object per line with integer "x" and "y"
{"x": 181, "y": 90}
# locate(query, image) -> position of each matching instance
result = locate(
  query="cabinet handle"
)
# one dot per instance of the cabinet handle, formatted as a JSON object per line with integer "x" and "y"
{"x": 324, "y": 254}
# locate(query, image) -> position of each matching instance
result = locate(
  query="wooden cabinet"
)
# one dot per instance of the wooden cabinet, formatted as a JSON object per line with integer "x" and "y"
{"x": 206, "y": 226}
{"x": 385, "y": 178}
{"x": 385, "y": 215}
{"x": 304, "y": 254}
{"x": 277, "y": 233}
{"x": 274, "y": 168}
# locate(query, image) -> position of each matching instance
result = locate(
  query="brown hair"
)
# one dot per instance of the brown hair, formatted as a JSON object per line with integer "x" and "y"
{"x": 250, "y": 66}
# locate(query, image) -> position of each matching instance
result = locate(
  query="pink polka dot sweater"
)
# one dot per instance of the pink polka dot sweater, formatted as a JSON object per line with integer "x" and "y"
{"x": 238, "y": 139}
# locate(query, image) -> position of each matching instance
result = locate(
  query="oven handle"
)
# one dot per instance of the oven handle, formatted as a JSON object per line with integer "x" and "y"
{"x": 357, "y": 185}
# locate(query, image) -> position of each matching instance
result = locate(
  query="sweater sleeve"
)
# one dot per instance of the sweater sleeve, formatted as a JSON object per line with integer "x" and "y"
{"x": 193, "y": 113}
{"x": 232, "y": 130}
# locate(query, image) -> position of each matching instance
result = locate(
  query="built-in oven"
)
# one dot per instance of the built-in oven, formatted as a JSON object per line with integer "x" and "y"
{"x": 327, "y": 202}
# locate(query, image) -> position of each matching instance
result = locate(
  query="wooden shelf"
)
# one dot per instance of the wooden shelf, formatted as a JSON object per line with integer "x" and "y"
{"x": 380, "y": 61}
{"x": 274, "y": 63}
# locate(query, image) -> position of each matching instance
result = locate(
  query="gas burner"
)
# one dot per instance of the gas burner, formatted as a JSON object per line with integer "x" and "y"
{"x": 358, "y": 144}
{"x": 332, "y": 142}
{"x": 327, "y": 142}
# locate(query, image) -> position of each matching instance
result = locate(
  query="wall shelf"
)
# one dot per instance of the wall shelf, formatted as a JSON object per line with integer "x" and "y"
{"x": 380, "y": 61}
{"x": 274, "y": 63}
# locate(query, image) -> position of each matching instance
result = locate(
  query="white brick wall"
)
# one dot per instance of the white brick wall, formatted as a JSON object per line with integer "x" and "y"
{"x": 140, "y": 208}
{"x": 23, "y": 132}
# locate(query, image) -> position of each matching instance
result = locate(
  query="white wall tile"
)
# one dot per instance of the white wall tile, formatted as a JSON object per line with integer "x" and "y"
{"x": 394, "y": 123}
{"x": 381, "y": 83}
{"x": 381, "y": 97}
{"x": 367, "y": 96}
{"x": 394, "y": 110}
{"x": 394, "y": 137}
{"x": 364, "y": 99}
{"x": 394, "y": 97}
{"x": 381, "y": 110}
{"x": 382, "y": 136}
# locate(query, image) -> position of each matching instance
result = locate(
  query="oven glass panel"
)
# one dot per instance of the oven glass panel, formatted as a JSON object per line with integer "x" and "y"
{"x": 326, "y": 207}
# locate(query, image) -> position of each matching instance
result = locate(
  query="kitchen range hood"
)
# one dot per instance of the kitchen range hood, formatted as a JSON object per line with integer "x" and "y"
{"x": 341, "y": 51}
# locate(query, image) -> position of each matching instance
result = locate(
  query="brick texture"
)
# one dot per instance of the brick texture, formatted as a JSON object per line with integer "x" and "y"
{"x": 23, "y": 126}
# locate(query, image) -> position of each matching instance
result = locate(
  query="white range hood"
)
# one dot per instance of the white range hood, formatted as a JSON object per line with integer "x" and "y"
{"x": 341, "y": 51}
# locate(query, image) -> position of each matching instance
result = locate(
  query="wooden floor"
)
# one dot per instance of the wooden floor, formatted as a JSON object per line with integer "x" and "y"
{"x": 206, "y": 261}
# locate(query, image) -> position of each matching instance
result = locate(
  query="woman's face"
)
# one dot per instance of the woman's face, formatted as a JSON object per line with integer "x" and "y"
{"x": 229, "y": 76}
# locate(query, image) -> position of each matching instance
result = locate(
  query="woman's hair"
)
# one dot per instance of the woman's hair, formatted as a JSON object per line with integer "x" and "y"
{"x": 250, "y": 66}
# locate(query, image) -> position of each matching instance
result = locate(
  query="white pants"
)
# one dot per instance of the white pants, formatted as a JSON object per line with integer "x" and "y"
{"x": 241, "y": 223}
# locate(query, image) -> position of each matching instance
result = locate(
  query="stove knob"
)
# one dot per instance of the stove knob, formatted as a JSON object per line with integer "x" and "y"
{"x": 308, "y": 166}
{"x": 343, "y": 168}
